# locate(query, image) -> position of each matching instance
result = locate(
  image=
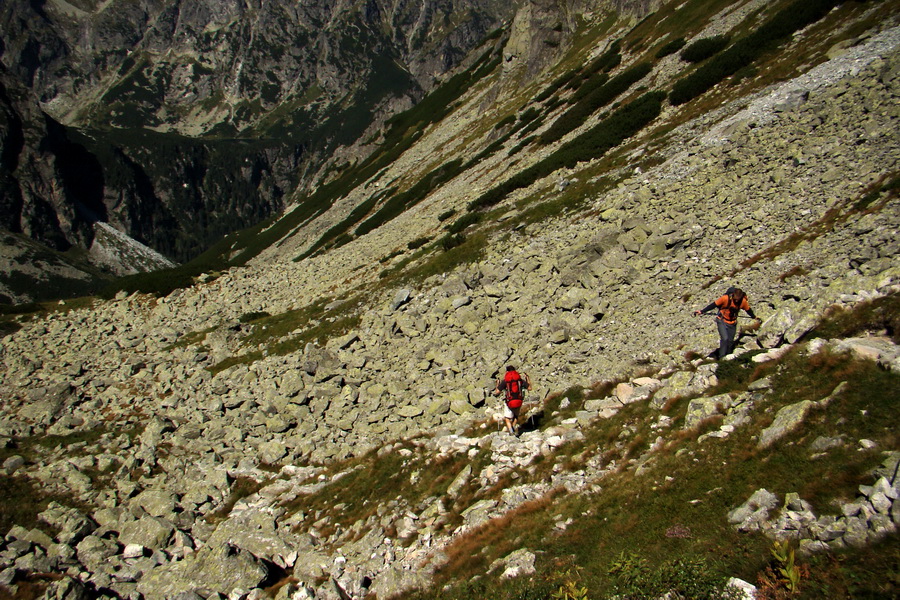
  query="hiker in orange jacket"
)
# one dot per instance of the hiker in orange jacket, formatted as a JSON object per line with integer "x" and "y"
{"x": 729, "y": 305}
{"x": 514, "y": 384}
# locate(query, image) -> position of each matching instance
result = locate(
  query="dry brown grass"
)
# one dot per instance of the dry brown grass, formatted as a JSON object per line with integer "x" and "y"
{"x": 467, "y": 553}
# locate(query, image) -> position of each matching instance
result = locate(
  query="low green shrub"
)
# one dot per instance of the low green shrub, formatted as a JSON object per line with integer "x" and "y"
{"x": 449, "y": 242}
{"x": 418, "y": 243}
{"x": 505, "y": 121}
{"x": 747, "y": 49}
{"x": 522, "y": 145}
{"x": 253, "y": 316}
{"x": 20, "y": 309}
{"x": 446, "y": 215}
{"x": 609, "y": 133}
{"x": 554, "y": 87}
{"x": 399, "y": 203}
{"x": 607, "y": 61}
{"x": 683, "y": 578}
{"x": 671, "y": 48}
{"x": 596, "y": 99}
{"x": 529, "y": 115}
{"x": 594, "y": 82}
{"x": 705, "y": 48}
{"x": 463, "y": 222}
{"x": 340, "y": 229}
{"x": 342, "y": 239}
{"x": 159, "y": 283}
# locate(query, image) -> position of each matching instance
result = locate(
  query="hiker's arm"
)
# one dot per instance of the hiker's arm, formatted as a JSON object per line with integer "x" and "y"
{"x": 705, "y": 310}
{"x": 745, "y": 305}
{"x": 527, "y": 382}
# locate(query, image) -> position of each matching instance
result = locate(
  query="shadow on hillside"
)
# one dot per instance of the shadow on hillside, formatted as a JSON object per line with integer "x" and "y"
{"x": 531, "y": 420}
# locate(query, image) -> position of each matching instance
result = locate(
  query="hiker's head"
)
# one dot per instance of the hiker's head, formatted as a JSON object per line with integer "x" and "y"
{"x": 510, "y": 368}
{"x": 738, "y": 295}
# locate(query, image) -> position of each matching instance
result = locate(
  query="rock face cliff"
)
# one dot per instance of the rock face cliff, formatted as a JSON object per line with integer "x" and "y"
{"x": 177, "y": 123}
{"x": 322, "y": 419}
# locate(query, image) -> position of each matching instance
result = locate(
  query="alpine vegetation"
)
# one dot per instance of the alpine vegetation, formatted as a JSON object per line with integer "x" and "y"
{"x": 475, "y": 357}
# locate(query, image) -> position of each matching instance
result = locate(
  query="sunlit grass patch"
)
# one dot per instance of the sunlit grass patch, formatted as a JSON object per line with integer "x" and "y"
{"x": 668, "y": 508}
{"x": 475, "y": 551}
{"x": 356, "y": 492}
{"x": 242, "y": 487}
{"x": 872, "y": 572}
{"x": 738, "y": 372}
{"x": 23, "y": 499}
{"x": 881, "y": 315}
{"x": 289, "y": 332}
{"x": 12, "y": 316}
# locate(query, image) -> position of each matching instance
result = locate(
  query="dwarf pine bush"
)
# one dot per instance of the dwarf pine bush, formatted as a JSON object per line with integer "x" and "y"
{"x": 705, "y": 48}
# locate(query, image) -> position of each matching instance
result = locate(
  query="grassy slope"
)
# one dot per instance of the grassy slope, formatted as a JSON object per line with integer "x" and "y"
{"x": 662, "y": 512}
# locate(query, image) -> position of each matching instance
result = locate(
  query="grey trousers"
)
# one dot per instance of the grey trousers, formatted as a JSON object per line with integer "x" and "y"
{"x": 726, "y": 337}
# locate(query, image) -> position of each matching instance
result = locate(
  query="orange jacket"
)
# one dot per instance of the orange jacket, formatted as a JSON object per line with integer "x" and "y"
{"x": 728, "y": 309}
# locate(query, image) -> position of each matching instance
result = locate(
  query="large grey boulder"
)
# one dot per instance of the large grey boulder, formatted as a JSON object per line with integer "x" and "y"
{"x": 93, "y": 552}
{"x": 255, "y": 532}
{"x": 878, "y": 349}
{"x": 786, "y": 420}
{"x": 517, "y": 564}
{"x": 67, "y": 589}
{"x": 46, "y": 404}
{"x": 773, "y": 330}
{"x": 684, "y": 384}
{"x": 271, "y": 452}
{"x": 700, "y": 409}
{"x": 398, "y": 579}
{"x": 225, "y": 569}
{"x": 754, "y": 513}
{"x": 72, "y": 524}
{"x": 156, "y": 503}
{"x": 150, "y": 532}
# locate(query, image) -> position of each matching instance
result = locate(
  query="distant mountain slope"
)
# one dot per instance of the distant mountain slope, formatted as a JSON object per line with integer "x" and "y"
{"x": 180, "y": 122}
{"x": 497, "y": 138}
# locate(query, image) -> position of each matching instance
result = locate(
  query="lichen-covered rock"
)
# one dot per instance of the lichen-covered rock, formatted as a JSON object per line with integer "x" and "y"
{"x": 751, "y": 515}
{"x": 223, "y": 569}
{"x": 700, "y": 409}
{"x": 72, "y": 524}
{"x": 787, "y": 419}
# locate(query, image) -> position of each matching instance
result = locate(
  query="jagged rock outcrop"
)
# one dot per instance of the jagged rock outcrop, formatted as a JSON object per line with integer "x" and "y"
{"x": 296, "y": 84}
{"x": 210, "y": 58}
{"x": 869, "y": 518}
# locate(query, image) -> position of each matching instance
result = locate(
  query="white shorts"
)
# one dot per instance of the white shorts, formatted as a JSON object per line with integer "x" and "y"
{"x": 511, "y": 413}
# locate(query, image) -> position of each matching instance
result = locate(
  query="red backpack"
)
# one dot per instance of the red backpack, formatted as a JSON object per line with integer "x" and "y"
{"x": 515, "y": 389}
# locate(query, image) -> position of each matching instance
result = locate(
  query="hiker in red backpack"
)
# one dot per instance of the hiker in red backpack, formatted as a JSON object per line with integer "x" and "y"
{"x": 730, "y": 304}
{"x": 514, "y": 384}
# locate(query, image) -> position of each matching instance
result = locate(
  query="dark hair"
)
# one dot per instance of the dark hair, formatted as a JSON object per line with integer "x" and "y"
{"x": 510, "y": 368}
{"x": 738, "y": 294}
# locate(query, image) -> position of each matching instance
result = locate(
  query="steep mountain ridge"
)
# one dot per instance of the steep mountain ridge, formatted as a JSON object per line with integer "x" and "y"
{"x": 319, "y": 417}
{"x": 166, "y": 60}
{"x": 181, "y": 122}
